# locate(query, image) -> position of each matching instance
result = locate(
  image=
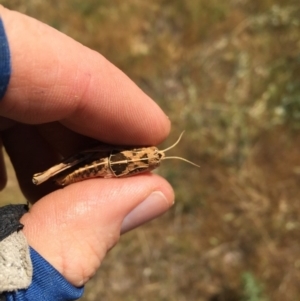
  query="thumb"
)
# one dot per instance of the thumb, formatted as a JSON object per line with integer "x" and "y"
{"x": 73, "y": 228}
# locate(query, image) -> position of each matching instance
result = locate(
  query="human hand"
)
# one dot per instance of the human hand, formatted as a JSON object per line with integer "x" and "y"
{"x": 62, "y": 97}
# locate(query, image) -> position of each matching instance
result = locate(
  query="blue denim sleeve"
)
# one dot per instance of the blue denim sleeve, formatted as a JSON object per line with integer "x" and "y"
{"x": 5, "y": 63}
{"x": 47, "y": 284}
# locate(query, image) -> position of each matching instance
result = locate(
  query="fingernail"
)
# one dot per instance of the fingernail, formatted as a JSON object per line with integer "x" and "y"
{"x": 153, "y": 206}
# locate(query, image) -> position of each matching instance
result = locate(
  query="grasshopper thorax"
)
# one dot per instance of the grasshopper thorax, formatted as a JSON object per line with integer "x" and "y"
{"x": 134, "y": 161}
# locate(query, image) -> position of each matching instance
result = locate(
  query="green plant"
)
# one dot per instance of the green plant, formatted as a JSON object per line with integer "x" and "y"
{"x": 252, "y": 288}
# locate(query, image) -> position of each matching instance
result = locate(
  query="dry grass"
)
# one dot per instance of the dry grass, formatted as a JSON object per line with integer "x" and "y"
{"x": 229, "y": 74}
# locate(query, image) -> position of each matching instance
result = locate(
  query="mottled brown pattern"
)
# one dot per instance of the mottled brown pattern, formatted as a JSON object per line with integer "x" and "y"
{"x": 98, "y": 168}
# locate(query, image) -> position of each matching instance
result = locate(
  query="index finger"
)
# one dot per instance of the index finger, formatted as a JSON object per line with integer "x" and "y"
{"x": 55, "y": 78}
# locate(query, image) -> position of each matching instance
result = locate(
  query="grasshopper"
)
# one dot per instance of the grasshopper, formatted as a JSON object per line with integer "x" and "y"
{"x": 106, "y": 162}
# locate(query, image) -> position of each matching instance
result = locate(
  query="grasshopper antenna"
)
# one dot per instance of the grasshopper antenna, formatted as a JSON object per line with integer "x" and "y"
{"x": 170, "y": 147}
{"x": 179, "y": 158}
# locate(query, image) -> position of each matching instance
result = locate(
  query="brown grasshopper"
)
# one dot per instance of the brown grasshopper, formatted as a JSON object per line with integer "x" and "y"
{"x": 106, "y": 162}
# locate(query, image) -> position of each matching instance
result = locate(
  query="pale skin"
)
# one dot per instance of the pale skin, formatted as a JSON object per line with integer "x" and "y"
{"x": 81, "y": 97}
